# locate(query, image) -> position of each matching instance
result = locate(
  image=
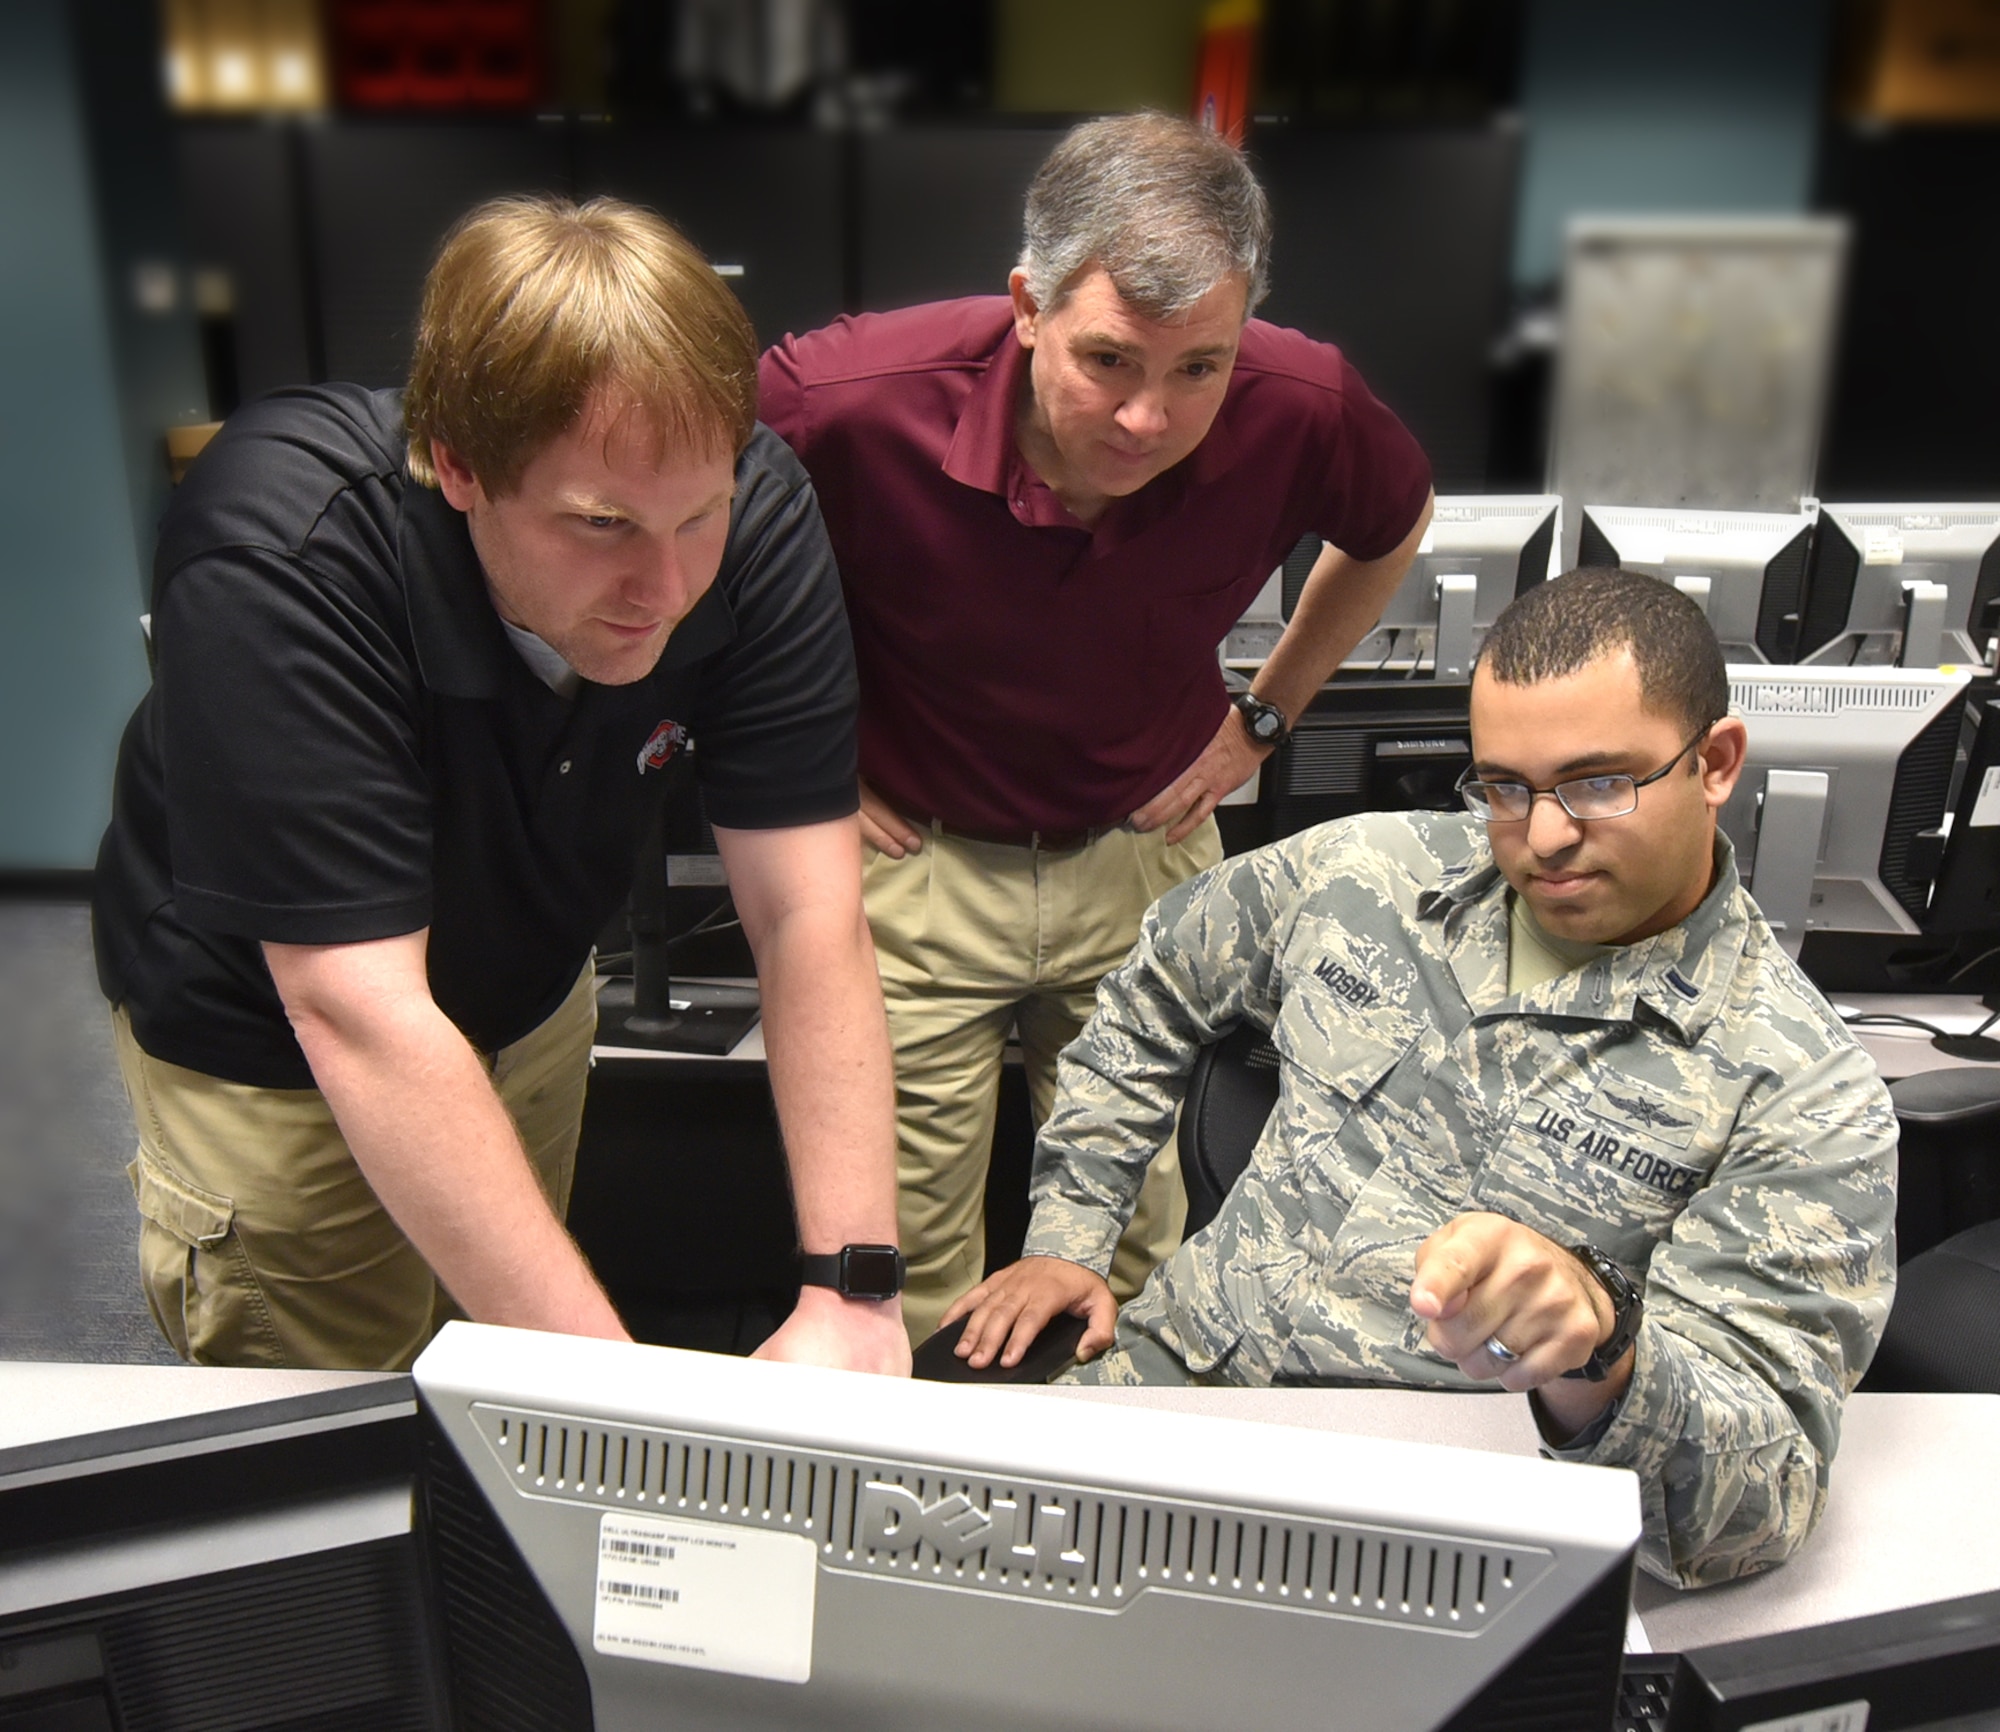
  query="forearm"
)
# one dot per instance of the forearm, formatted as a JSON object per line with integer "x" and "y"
{"x": 1731, "y": 1481}
{"x": 1338, "y": 606}
{"x": 828, "y": 1046}
{"x": 439, "y": 1150}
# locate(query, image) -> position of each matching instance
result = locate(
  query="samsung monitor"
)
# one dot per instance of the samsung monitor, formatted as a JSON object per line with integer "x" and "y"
{"x": 1387, "y": 745}
{"x": 1479, "y": 552}
{"x": 196, "y": 1550}
{"x": 1747, "y": 569}
{"x": 1838, "y": 818}
{"x": 1909, "y": 585}
{"x": 638, "y": 1537}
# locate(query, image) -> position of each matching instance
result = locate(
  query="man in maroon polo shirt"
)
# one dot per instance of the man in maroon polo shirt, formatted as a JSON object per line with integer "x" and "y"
{"x": 1048, "y": 509}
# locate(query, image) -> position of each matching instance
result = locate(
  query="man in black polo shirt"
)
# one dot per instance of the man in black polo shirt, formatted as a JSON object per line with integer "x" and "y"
{"x": 420, "y": 666}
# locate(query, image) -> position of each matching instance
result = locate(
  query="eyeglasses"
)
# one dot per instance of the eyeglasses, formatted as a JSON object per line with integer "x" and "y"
{"x": 1585, "y": 798}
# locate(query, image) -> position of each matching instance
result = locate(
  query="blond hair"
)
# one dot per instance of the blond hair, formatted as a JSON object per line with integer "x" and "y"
{"x": 533, "y": 303}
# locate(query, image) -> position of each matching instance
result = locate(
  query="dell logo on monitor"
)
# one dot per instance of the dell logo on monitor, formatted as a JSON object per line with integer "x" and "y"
{"x": 892, "y": 1518}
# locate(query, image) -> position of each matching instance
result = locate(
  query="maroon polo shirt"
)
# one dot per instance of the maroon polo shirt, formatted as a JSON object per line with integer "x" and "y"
{"x": 1019, "y": 671}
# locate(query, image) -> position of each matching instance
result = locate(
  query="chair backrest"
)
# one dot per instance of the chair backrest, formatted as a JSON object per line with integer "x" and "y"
{"x": 1949, "y": 1158}
{"x": 1230, "y": 1095}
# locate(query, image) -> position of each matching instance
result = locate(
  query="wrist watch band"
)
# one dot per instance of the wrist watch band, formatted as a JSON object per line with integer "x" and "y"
{"x": 1266, "y": 722}
{"x": 856, "y": 1271}
{"x": 1628, "y": 1308}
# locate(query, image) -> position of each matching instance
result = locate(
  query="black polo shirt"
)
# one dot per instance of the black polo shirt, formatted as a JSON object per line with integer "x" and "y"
{"x": 341, "y": 744}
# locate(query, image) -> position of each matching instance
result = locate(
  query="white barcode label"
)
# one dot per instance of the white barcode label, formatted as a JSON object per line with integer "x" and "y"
{"x": 1881, "y": 547}
{"x": 704, "y": 1594}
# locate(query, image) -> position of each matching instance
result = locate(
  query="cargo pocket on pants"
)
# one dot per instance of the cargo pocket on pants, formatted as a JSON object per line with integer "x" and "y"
{"x": 198, "y": 1280}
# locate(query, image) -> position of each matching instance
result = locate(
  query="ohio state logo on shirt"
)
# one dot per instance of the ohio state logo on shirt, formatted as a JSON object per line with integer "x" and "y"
{"x": 661, "y": 744}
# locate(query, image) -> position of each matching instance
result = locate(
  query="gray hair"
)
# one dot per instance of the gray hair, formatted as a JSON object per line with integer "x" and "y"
{"x": 1166, "y": 207}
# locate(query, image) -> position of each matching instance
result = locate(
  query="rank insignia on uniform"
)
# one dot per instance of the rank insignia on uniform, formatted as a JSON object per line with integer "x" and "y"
{"x": 661, "y": 744}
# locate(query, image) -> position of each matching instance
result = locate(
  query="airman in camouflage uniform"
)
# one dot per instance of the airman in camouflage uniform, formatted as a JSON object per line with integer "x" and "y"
{"x": 1687, "y": 1103}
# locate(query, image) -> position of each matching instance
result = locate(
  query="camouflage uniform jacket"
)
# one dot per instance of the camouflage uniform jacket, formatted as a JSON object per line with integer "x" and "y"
{"x": 1689, "y": 1104}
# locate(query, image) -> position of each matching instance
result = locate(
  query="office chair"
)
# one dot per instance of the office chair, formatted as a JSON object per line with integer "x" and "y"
{"x": 1231, "y": 1091}
{"x": 1944, "y": 1328}
{"x": 1949, "y": 1160}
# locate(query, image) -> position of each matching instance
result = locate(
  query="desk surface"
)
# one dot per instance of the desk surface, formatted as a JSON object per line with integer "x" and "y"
{"x": 1906, "y": 1051}
{"x": 1909, "y": 1519}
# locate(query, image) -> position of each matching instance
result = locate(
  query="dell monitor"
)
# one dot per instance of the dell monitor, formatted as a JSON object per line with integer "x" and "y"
{"x": 1747, "y": 569}
{"x": 1479, "y": 552}
{"x": 636, "y": 1537}
{"x": 1838, "y": 818}
{"x": 1908, "y": 585}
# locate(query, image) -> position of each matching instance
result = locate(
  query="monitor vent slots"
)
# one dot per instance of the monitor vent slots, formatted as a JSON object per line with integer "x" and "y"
{"x": 1825, "y": 697}
{"x": 1323, "y": 761}
{"x": 1016, "y": 1538}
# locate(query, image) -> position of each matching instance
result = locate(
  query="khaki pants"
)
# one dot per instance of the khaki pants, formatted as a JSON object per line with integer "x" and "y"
{"x": 974, "y": 939}
{"x": 261, "y": 1243}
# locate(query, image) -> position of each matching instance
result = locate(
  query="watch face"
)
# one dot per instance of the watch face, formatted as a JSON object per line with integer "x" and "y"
{"x": 871, "y": 1271}
{"x": 1265, "y": 727}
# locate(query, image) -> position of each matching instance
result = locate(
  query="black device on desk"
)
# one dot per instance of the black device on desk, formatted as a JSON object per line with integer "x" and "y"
{"x": 259, "y": 1568}
{"x": 1915, "y": 1667}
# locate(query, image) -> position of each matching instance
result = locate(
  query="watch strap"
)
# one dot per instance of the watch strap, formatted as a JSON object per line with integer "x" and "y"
{"x": 1265, "y": 722}
{"x": 1628, "y": 1309}
{"x": 856, "y": 1271}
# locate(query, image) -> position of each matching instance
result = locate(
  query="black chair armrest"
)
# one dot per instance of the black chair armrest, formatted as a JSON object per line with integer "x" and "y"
{"x": 1944, "y": 1328}
{"x": 1957, "y": 1096}
{"x": 1049, "y": 1355}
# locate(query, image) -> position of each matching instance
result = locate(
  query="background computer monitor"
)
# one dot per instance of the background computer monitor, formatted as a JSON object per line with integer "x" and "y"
{"x": 256, "y": 1566}
{"x": 1479, "y": 553}
{"x": 1746, "y": 568}
{"x": 658, "y": 1538}
{"x": 1838, "y": 817}
{"x": 1496, "y": 546}
{"x": 1858, "y": 602}
{"x": 1387, "y": 745}
{"x": 1965, "y": 899}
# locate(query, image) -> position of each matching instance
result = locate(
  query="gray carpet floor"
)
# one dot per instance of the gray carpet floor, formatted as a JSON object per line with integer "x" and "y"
{"x": 68, "y": 1273}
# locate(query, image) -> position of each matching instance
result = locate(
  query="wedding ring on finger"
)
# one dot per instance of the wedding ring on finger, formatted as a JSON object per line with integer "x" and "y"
{"x": 1501, "y": 1351}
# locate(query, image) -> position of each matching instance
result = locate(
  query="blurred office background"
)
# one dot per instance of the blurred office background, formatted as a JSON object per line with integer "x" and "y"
{"x": 207, "y": 199}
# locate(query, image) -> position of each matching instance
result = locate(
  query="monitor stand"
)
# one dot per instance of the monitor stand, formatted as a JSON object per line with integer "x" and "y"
{"x": 665, "y": 1015}
{"x": 1979, "y": 1047}
{"x": 655, "y": 1011}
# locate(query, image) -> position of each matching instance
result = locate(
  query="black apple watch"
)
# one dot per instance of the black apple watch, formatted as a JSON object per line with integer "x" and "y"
{"x": 1265, "y": 722}
{"x": 856, "y": 1271}
{"x": 1628, "y": 1307}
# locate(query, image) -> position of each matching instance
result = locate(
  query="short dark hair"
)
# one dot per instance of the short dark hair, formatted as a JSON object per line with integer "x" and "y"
{"x": 1562, "y": 626}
